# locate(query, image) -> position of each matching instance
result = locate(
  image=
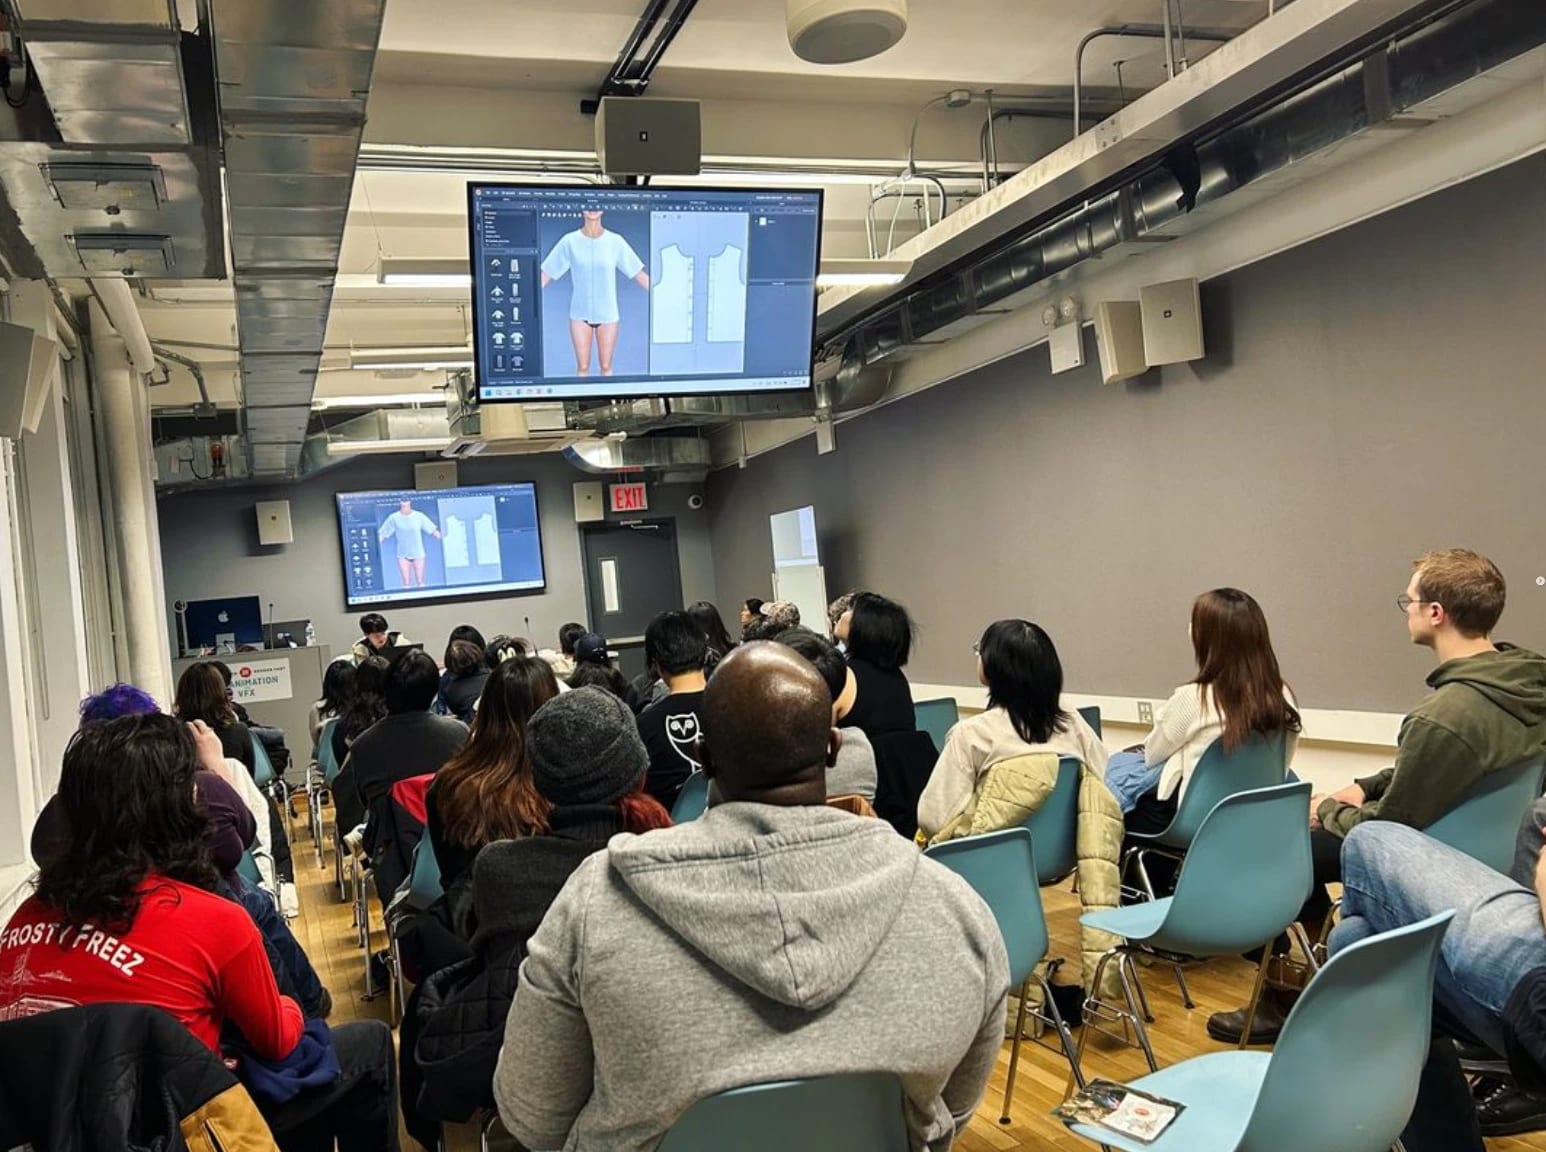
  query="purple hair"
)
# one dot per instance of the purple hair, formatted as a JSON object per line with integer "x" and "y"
{"x": 117, "y": 700}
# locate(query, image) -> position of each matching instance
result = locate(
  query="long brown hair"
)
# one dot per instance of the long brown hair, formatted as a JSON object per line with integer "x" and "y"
{"x": 485, "y": 792}
{"x": 201, "y": 695}
{"x": 1235, "y": 662}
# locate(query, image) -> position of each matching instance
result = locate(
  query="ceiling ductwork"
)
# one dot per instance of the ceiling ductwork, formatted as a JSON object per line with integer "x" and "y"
{"x": 115, "y": 171}
{"x": 678, "y": 458}
{"x": 293, "y": 84}
{"x": 1040, "y": 235}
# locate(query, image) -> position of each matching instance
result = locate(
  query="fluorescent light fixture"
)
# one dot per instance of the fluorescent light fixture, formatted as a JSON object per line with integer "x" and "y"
{"x": 428, "y": 358}
{"x": 378, "y": 400}
{"x": 862, "y": 273}
{"x": 407, "y": 444}
{"x": 424, "y": 273}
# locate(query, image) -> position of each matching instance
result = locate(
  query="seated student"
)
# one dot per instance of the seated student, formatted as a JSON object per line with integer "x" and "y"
{"x": 590, "y": 653}
{"x": 1019, "y": 666}
{"x": 231, "y": 830}
{"x": 376, "y": 638}
{"x": 409, "y": 740}
{"x": 676, "y": 649}
{"x": 669, "y": 969}
{"x": 853, "y": 769}
{"x": 273, "y": 739}
{"x": 337, "y": 682}
{"x": 707, "y": 617}
{"x": 201, "y": 695}
{"x": 461, "y": 684}
{"x": 484, "y": 792}
{"x": 1487, "y": 711}
{"x": 1238, "y": 691}
{"x": 879, "y": 636}
{"x": 563, "y": 660}
{"x": 128, "y": 913}
{"x": 835, "y": 612}
{"x": 588, "y": 765}
{"x": 751, "y": 612}
{"x": 502, "y": 648}
{"x": 1491, "y": 983}
{"x": 774, "y": 616}
{"x": 366, "y": 705}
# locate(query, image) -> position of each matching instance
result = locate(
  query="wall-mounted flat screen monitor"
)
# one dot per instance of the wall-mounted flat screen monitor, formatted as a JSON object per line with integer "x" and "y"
{"x": 439, "y": 544}
{"x": 608, "y": 292}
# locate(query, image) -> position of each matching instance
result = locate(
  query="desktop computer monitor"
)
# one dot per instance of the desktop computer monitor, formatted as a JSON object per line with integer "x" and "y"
{"x": 223, "y": 625}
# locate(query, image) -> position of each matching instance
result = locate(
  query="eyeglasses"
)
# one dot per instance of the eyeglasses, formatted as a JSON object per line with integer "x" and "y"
{"x": 1405, "y": 602}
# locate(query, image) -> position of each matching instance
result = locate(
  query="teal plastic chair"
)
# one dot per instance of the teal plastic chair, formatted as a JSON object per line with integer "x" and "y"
{"x": 1260, "y": 762}
{"x": 1091, "y": 715}
{"x": 247, "y": 869}
{"x": 327, "y": 762}
{"x": 1242, "y": 883}
{"x": 1054, "y": 826}
{"x": 424, "y": 888}
{"x": 1485, "y": 824}
{"x": 937, "y": 718}
{"x": 1344, "y": 1074}
{"x": 262, "y": 767}
{"x": 692, "y": 801}
{"x": 858, "y": 1113}
{"x": 1001, "y": 868}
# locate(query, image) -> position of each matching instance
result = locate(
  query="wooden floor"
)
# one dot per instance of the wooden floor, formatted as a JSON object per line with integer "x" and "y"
{"x": 324, "y": 929}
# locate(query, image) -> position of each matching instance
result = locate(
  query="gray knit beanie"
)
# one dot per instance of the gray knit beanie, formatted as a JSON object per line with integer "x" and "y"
{"x": 585, "y": 748}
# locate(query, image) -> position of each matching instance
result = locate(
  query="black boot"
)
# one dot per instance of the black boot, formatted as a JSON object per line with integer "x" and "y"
{"x": 1273, "y": 1009}
{"x": 1503, "y": 1109}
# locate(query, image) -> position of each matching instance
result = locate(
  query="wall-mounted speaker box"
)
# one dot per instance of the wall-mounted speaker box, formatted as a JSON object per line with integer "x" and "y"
{"x": 26, "y": 367}
{"x": 434, "y": 474}
{"x": 1065, "y": 344}
{"x": 643, "y": 136}
{"x": 274, "y": 523}
{"x": 1172, "y": 322}
{"x": 590, "y": 505}
{"x": 1119, "y": 339}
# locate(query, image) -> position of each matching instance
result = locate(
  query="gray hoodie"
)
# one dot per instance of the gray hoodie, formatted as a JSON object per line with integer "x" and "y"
{"x": 755, "y": 944}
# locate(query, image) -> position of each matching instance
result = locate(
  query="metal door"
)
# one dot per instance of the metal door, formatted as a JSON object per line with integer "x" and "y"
{"x": 631, "y": 576}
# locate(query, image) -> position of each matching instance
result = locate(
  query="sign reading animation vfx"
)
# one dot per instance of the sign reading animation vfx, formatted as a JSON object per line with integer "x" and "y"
{"x": 260, "y": 680}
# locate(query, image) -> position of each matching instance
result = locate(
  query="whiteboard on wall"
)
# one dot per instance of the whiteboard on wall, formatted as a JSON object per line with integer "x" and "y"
{"x": 806, "y": 587}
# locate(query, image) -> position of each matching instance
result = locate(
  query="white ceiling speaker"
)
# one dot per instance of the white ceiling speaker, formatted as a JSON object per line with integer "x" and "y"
{"x": 843, "y": 31}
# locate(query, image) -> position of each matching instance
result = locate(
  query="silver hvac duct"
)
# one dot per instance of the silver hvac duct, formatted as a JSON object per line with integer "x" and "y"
{"x": 676, "y": 454}
{"x": 293, "y": 81}
{"x": 1432, "y": 59}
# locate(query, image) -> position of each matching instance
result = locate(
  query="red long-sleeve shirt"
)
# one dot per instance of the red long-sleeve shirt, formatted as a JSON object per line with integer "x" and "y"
{"x": 189, "y": 952}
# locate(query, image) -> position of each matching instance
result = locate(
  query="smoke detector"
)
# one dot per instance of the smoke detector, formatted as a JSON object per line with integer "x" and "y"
{"x": 843, "y": 31}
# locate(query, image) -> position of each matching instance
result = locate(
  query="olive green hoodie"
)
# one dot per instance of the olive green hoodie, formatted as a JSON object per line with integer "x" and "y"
{"x": 1486, "y": 712}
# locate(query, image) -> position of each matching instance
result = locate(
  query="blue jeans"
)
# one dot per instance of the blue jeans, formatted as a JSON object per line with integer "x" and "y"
{"x": 283, "y": 945}
{"x": 1393, "y": 876}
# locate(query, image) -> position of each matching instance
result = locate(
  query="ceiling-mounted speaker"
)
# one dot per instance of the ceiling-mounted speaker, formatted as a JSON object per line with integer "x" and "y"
{"x": 1172, "y": 322}
{"x": 1119, "y": 338}
{"x": 26, "y": 366}
{"x": 843, "y": 31}
{"x": 646, "y": 136}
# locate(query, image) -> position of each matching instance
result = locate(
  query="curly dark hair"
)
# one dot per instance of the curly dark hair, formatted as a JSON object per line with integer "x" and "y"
{"x": 367, "y": 703}
{"x": 127, "y": 791}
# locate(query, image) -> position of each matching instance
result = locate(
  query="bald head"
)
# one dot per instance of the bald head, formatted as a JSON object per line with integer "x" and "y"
{"x": 767, "y": 719}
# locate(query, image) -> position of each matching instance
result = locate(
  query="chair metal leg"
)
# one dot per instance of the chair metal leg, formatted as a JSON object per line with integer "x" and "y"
{"x": 1127, "y": 971}
{"x": 398, "y": 1007}
{"x": 485, "y": 1127}
{"x": 1090, "y": 1013}
{"x": 1143, "y": 999}
{"x": 1300, "y": 937}
{"x": 1186, "y": 995}
{"x": 1143, "y": 873}
{"x": 1256, "y": 991}
{"x": 1319, "y": 953}
{"x": 1014, "y": 1053}
{"x": 1065, "y": 1037}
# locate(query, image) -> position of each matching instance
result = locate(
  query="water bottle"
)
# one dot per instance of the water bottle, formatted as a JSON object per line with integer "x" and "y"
{"x": 311, "y": 635}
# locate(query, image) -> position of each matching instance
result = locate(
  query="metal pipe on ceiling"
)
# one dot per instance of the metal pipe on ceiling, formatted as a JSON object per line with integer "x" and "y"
{"x": 1139, "y": 31}
{"x": 192, "y": 365}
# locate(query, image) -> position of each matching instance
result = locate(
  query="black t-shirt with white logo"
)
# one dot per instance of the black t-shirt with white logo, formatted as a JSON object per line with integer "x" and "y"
{"x": 670, "y": 729}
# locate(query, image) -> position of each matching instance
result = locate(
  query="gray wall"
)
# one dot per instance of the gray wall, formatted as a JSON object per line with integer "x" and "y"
{"x": 209, "y": 547}
{"x": 1365, "y": 397}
